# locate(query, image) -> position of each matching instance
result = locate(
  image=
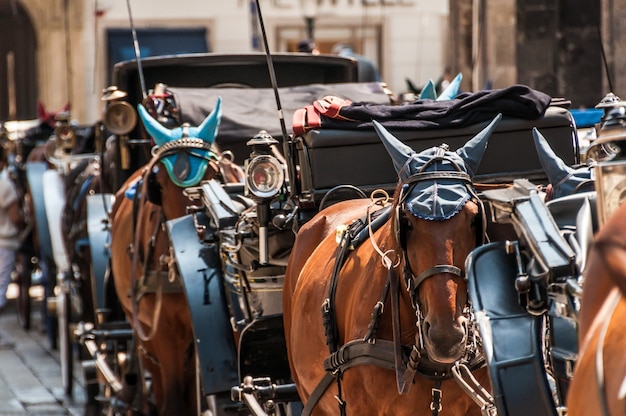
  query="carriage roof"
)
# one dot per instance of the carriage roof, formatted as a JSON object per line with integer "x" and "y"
{"x": 243, "y": 70}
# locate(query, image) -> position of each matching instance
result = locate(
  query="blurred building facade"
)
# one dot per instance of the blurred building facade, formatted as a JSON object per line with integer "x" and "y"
{"x": 59, "y": 51}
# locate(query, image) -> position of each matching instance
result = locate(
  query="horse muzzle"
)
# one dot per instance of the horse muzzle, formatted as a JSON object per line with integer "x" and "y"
{"x": 445, "y": 343}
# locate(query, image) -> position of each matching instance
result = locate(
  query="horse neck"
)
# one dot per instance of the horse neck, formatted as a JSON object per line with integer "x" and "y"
{"x": 605, "y": 270}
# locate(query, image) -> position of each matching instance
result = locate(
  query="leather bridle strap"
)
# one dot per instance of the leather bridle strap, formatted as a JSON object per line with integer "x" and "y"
{"x": 440, "y": 268}
{"x": 404, "y": 374}
{"x": 429, "y": 176}
{"x": 356, "y": 352}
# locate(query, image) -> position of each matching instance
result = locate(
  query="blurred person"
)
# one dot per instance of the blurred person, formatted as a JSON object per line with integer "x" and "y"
{"x": 367, "y": 69}
{"x": 308, "y": 46}
{"x": 11, "y": 223}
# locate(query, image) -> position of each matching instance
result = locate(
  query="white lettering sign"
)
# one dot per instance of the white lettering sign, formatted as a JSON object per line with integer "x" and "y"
{"x": 293, "y": 4}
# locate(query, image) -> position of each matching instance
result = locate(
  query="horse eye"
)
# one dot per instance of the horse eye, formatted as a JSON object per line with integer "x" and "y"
{"x": 475, "y": 221}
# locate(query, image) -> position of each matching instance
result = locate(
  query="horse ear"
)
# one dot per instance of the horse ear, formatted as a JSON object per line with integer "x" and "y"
{"x": 552, "y": 165}
{"x": 452, "y": 90}
{"x": 472, "y": 152}
{"x": 207, "y": 130}
{"x": 41, "y": 111}
{"x": 159, "y": 133}
{"x": 398, "y": 151}
{"x": 428, "y": 92}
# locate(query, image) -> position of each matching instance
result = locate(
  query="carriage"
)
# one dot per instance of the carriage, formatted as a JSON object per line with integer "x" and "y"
{"x": 230, "y": 251}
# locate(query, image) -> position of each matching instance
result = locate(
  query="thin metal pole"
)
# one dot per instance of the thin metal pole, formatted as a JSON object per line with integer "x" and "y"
{"x": 144, "y": 94}
{"x": 605, "y": 61}
{"x": 68, "y": 49}
{"x": 286, "y": 141}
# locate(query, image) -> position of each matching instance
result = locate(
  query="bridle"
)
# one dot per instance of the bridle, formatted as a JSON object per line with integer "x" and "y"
{"x": 384, "y": 353}
{"x": 407, "y": 186}
{"x": 184, "y": 144}
{"x": 412, "y": 281}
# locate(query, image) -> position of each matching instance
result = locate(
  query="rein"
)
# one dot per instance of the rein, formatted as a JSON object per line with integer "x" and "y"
{"x": 183, "y": 144}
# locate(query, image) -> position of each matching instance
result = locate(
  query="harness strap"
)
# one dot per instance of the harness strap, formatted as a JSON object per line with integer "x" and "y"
{"x": 315, "y": 397}
{"x": 377, "y": 312}
{"x": 466, "y": 380}
{"x": 435, "y": 404}
{"x": 328, "y": 307}
{"x": 354, "y": 235}
{"x": 404, "y": 374}
{"x": 361, "y": 352}
{"x": 150, "y": 284}
{"x": 137, "y": 284}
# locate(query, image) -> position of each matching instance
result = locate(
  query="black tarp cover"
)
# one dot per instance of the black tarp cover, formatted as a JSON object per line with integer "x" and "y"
{"x": 245, "y": 111}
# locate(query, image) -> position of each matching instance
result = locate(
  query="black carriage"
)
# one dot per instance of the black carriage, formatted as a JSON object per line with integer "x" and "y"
{"x": 331, "y": 164}
{"x": 232, "y": 249}
{"x": 103, "y": 333}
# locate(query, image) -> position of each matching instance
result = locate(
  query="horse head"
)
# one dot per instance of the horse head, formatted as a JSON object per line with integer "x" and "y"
{"x": 158, "y": 312}
{"x": 563, "y": 180}
{"x": 437, "y": 222}
{"x": 185, "y": 155}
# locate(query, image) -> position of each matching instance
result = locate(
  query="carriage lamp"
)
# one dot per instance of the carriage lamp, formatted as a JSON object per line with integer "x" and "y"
{"x": 610, "y": 172}
{"x": 120, "y": 117}
{"x": 610, "y": 184}
{"x": 265, "y": 175}
{"x": 264, "y": 179}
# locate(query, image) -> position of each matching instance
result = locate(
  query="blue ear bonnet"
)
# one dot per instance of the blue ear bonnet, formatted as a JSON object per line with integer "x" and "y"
{"x": 431, "y": 197}
{"x": 564, "y": 179}
{"x": 188, "y": 166}
{"x": 435, "y": 199}
{"x": 577, "y": 180}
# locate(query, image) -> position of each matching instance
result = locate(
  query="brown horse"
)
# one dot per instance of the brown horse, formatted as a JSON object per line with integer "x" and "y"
{"x": 158, "y": 311}
{"x": 599, "y": 383}
{"x": 434, "y": 222}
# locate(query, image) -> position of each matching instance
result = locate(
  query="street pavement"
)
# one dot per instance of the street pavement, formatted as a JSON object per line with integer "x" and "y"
{"x": 30, "y": 372}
